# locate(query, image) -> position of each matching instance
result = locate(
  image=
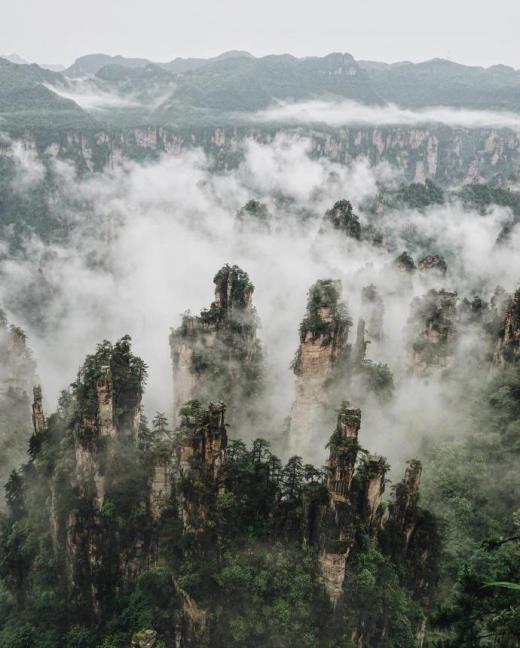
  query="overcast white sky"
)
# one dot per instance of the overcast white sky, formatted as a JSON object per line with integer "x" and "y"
{"x": 480, "y": 32}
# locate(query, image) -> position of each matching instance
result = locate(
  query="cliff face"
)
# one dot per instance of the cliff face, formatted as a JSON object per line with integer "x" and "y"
{"x": 508, "y": 345}
{"x": 201, "y": 455}
{"x": 353, "y": 515}
{"x": 323, "y": 351}
{"x": 372, "y": 312}
{"x": 216, "y": 355}
{"x": 431, "y": 332}
{"x": 445, "y": 155}
{"x": 353, "y": 505}
{"x": 17, "y": 379}
{"x": 104, "y": 423}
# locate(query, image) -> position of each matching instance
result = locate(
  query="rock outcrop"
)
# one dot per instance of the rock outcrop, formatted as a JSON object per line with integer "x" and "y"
{"x": 38, "y": 417}
{"x": 355, "y": 510}
{"x": 105, "y": 425}
{"x": 372, "y": 312}
{"x": 405, "y": 263}
{"x": 341, "y": 217}
{"x": 404, "y": 509}
{"x": 507, "y": 350}
{"x": 161, "y": 484}
{"x": 200, "y": 457}
{"x": 217, "y": 355}
{"x": 432, "y": 332}
{"x": 446, "y": 155}
{"x": 433, "y": 263}
{"x": 17, "y": 379}
{"x": 322, "y": 355}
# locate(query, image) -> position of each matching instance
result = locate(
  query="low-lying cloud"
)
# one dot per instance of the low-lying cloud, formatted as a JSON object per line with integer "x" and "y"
{"x": 147, "y": 240}
{"x": 89, "y": 96}
{"x": 345, "y": 113}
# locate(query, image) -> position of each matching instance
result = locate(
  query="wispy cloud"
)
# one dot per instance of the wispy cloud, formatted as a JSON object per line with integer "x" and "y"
{"x": 91, "y": 97}
{"x": 344, "y": 113}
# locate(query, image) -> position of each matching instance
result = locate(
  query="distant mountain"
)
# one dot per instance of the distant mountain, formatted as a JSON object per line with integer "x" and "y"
{"x": 54, "y": 67}
{"x": 26, "y": 100}
{"x": 14, "y": 58}
{"x": 248, "y": 84}
{"x": 181, "y": 65}
{"x": 90, "y": 64}
{"x": 196, "y": 91}
{"x": 441, "y": 82}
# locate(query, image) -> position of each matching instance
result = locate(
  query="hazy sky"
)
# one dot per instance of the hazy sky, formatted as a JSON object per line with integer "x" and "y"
{"x": 482, "y": 32}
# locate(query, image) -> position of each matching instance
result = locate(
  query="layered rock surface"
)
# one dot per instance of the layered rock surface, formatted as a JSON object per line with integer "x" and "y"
{"x": 507, "y": 349}
{"x": 216, "y": 355}
{"x": 323, "y": 352}
{"x": 432, "y": 332}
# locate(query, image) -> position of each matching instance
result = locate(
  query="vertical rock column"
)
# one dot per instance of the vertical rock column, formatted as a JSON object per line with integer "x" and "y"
{"x": 201, "y": 457}
{"x": 322, "y": 354}
{"x": 38, "y": 417}
{"x": 432, "y": 332}
{"x": 337, "y": 538}
{"x": 216, "y": 355}
{"x": 507, "y": 349}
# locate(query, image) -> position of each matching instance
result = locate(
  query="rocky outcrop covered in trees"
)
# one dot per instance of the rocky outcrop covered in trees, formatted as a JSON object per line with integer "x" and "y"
{"x": 322, "y": 355}
{"x": 372, "y": 311}
{"x": 128, "y": 507}
{"x": 433, "y": 263}
{"x": 17, "y": 379}
{"x": 354, "y": 512}
{"x": 507, "y": 349}
{"x": 217, "y": 355}
{"x": 432, "y": 331}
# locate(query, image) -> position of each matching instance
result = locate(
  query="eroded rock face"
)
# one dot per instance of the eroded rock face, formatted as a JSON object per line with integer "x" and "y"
{"x": 217, "y": 356}
{"x": 98, "y": 427}
{"x": 373, "y": 311}
{"x": 38, "y": 417}
{"x": 433, "y": 263}
{"x": 105, "y": 426}
{"x": 323, "y": 349}
{"x": 201, "y": 457}
{"x": 17, "y": 379}
{"x": 405, "y": 263}
{"x": 374, "y": 487}
{"x": 352, "y": 506}
{"x": 431, "y": 332}
{"x": 341, "y": 218}
{"x": 161, "y": 485}
{"x": 338, "y": 525}
{"x": 507, "y": 349}
{"x": 343, "y": 453}
{"x": 404, "y": 511}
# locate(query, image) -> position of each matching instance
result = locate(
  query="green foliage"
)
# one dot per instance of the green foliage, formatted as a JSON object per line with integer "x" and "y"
{"x": 377, "y": 601}
{"x": 273, "y": 598}
{"x": 420, "y": 196}
{"x": 342, "y": 218}
{"x": 378, "y": 379}
{"x": 405, "y": 262}
{"x": 470, "y": 486}
{"x": 127, "y": 374}
{"x": 324, "y": 294}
